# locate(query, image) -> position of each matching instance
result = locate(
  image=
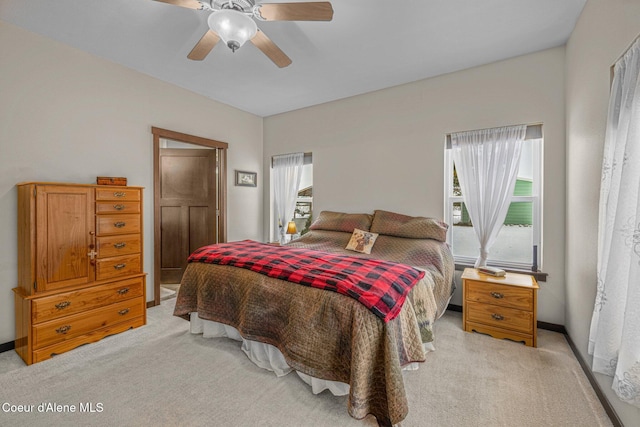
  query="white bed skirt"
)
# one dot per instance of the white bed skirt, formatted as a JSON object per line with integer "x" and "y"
{"x": 270, "y": 358}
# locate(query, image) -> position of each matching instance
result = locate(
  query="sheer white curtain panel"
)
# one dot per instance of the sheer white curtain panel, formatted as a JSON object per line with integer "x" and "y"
{"x": 287, "y": 171}
{"x": 614, "y": 339}
{"x": 487, "y": 163}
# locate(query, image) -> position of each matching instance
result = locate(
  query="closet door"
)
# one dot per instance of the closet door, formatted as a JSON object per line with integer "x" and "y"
{"x": 65, "y": 236}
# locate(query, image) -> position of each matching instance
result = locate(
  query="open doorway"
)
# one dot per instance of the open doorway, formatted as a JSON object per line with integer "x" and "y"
{"x": 189, "y": 202}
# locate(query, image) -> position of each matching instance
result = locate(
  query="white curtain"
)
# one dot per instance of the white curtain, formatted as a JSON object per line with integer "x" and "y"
{"x": 614, "y": 339}
{"x": 487, "y": 163}
{"x": 287, "y": 171}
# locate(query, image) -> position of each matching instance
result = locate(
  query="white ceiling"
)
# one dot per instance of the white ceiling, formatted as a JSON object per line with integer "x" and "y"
{"x": 369, "y": 45}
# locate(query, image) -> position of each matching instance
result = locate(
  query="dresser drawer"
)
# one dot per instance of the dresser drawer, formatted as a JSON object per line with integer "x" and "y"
{"x": 129, "y": 194}
{"x": 109, "y": 268}
{"x": 501, "y": 317}
{"x": 117, "y": 224}
{"x": 64, "y": 304}
{"x": 69, "y": 327}
{"x": 118, "y": 245}
{"x": 48, "y": 352}
{"x": 117, "y": 207}
{"x": 504, "y": 295}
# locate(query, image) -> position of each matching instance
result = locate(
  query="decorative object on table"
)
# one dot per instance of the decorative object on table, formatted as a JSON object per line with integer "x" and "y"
{"x": 292, "y": 230}
{"x": 492, "y": 271}
{"x": 111, "y": 180}
{"x": 246, "y": 179}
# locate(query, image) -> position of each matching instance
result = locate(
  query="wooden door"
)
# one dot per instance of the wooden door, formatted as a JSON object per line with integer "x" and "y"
{"x": 65, "y": 231}
{"x": 188, "y": 207}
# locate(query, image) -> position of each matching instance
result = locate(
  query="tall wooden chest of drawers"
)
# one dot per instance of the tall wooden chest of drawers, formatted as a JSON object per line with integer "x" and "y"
{"x": 80, "y": 271}
{"x": 503, "y": 307}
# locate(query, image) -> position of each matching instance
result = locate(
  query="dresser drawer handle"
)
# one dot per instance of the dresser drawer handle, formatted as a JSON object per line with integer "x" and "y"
{"x": 118, "y": 207}
{"x": 119, "y": 245}
{"x": 123, "y": 291}
{"x": 119, "y": 194}
{"x": 123, "y": 312}
{"x": 497, "y": 316}
{"x": 63, "y": 329}
{"x": 119, "y": 224}
{"x": 120, "y": 266}
{"x": 63, "y": 304}
{"x": 497, "y": 295}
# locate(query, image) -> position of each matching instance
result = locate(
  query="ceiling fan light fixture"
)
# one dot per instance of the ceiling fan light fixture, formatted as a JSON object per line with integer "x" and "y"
{"x": 233, "y": 27}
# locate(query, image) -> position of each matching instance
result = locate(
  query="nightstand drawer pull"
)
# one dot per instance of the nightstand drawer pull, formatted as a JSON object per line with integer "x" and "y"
{"x": 63, "y": 304}
{"x": 123, "y": 312}
{"x": 119, "y": 224}
{"x": 119, "y": 245}
{"x": 118, "y": 207}
{"x": 497, "y": 316}
{"x": 120, "y": 266}
{"x": 497, "y": 295}
{"x": 63, "y": 329}
{"x": 119, "y": 194}
{"x": 123, "y": 291}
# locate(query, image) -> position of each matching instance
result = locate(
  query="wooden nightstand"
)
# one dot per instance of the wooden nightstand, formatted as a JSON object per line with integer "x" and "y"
{"x": 503, "y": 307}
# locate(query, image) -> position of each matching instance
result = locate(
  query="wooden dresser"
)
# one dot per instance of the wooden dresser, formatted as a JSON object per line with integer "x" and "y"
{"x": 503, "y": 307}
{"x": 80, "y": 271}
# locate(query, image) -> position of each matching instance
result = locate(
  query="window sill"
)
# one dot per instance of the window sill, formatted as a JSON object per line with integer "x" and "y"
{"x": 539, "y": 275}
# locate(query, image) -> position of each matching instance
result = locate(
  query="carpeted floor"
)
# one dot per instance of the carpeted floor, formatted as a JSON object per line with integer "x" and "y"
{"x": 168, "y": 290}
{"x": 161, "y": 375}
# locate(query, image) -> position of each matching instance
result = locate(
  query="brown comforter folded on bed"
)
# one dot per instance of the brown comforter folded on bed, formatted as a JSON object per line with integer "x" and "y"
{"x": 325, "y": 334}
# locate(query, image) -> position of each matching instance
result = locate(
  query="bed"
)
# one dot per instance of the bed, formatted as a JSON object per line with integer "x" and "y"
{"x": 330, "y": 339}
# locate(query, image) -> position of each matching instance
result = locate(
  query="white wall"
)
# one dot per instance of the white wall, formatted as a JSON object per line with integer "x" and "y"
{"x": 604, "y": 31}
{"x": 68, "y": 116}
{"x": 385, "y": 149}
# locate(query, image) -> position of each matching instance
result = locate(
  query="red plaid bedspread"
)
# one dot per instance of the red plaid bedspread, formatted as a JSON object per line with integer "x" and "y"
{"x": 381, "y": 286}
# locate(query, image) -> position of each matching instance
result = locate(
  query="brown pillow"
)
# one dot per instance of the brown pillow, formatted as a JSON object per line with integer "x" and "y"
{"x": 338, "y": 221}
{"x": 413, "y": 227}
{"x": 361, "y": 241}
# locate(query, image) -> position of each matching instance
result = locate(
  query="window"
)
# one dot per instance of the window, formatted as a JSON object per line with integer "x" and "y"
{"x": 301, "y": 204}
{"x": 303, "y": 215}
{"x": 518, "y": 244}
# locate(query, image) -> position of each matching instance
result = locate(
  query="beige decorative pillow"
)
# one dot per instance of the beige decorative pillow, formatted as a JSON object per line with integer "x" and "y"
{"x": 361, "y": 241}
{"x": 339, "y": 221}
{"x": 413, "y": 227}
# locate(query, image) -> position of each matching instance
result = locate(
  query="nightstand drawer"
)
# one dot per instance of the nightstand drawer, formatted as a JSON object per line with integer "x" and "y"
{"x": 498, "y": 316}
{"x": 504, "y": 295}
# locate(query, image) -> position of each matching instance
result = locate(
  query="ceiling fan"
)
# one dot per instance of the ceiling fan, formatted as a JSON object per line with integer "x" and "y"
{"x": 232, "y": 22}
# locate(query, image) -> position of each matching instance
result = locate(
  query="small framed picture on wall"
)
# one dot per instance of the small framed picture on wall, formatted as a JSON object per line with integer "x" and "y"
{"x": 246, "y": 179}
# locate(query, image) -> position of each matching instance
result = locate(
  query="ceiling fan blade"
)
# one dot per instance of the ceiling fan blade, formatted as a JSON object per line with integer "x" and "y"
{"x": 204, "y": 46}
{"x": 310, "y": 11}
{"x": 190, "y": 4}
{"x": 269, "y": 48}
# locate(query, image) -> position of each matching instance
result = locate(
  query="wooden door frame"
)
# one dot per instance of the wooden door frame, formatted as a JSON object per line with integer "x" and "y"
{"x": 159, "y": 133}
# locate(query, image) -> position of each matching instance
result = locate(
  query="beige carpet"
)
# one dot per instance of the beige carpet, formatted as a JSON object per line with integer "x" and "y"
{"x": 160, "y": 375}
{"x": 168, "y": 290}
